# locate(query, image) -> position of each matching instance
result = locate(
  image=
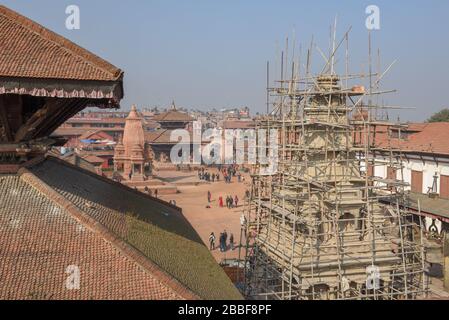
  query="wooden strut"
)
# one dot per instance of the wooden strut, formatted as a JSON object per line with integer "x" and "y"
{"x": 4, "y": 120}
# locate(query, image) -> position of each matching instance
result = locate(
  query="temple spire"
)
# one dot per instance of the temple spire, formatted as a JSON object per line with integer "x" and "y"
{"x": 130, "y": 156}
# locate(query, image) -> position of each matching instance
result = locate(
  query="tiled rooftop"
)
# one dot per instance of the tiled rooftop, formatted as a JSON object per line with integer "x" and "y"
{"x": 40, "y": 240}
{"x": 238, "y": 124}
{"x": 159, "y": 136}
{"x": 37, "y": 221}
{"x": 32, "y": 51}
{"x": 172, "y": 116}
{"x": 430, "y": 138}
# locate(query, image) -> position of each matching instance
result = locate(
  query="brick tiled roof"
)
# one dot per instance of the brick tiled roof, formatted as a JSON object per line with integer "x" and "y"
{"x": 172, "y": 116}
{"x": 430, "y": 138}
{"x": 93, "y": 159}
{"x": 68, "y": 131}
{"x": 32, "y": 51}
{"x": 40, "y": 240}
{"x": 96, "y": 120}
{"x": 99, "y": 133}
{"x": 160, "y": 136}
{"x": 127, "y": 245}
{"x": 238, "y": 124}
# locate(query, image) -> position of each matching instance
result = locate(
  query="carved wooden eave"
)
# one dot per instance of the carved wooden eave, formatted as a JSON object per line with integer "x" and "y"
{"x": 14, "y": 156}
{"x": 107, "y": 94}
{"x": 24, "y": 117}
{"x": 45, "y": 79}
{"x": 27, "y": 120}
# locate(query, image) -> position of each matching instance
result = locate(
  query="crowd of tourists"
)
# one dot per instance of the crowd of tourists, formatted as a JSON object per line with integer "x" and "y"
{"x": 224, "y": 245}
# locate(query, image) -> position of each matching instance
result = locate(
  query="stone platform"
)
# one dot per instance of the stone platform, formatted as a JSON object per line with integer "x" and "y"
{"x": 153, "y": 184}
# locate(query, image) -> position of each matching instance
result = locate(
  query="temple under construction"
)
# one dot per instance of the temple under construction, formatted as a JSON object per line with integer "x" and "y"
{"x": 322, "y": 227}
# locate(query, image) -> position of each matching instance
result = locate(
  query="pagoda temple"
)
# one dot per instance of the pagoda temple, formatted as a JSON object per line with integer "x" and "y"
{"x": 173, "y": 118}
{"x": 160, "y": 140}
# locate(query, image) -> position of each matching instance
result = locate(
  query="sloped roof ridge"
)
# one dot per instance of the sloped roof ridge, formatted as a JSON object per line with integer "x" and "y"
{"x": 122, "y": 246}
{"x": 111, "y": 182}
{"x": 63, "y": 43}
{"x": 163, "y": 116}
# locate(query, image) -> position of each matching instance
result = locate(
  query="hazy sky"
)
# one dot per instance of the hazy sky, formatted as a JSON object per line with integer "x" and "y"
{"x": 213, "y": 53}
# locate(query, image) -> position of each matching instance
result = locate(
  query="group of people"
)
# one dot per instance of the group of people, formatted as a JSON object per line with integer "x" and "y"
{"x": 228, "y": 173}
{"x": 207, "y": 176}
{"x": 223, "y": 241}
{"x": 150, "y": 193}
{"x": 231, "y": 202}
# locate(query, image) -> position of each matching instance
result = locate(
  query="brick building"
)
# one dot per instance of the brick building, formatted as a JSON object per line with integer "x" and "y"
{"x": 423, "y": 151}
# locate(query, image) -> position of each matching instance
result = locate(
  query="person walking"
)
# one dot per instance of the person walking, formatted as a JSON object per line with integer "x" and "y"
{"x": 220, "y": 202}
{"x": 225, "y": 240}
{"x": 236, "y": 201}
{"x": 242, "y": 220}
{"x": 209, "y": 197}
{"x": 212, "y": 241}
{"x": 243, "y": 226}
{"x": 231, "y": 242}
{"x": 222, "y": 242}
{"x": 155, "y": 193}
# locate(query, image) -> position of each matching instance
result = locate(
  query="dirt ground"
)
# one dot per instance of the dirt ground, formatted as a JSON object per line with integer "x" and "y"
{"x": 193, "y": 201}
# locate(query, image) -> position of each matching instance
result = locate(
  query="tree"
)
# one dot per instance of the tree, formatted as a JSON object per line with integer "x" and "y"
{"x": 441, "y": 116}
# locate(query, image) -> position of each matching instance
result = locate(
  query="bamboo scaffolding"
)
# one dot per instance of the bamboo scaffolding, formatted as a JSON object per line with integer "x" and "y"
{"x": 315, "y": 227}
